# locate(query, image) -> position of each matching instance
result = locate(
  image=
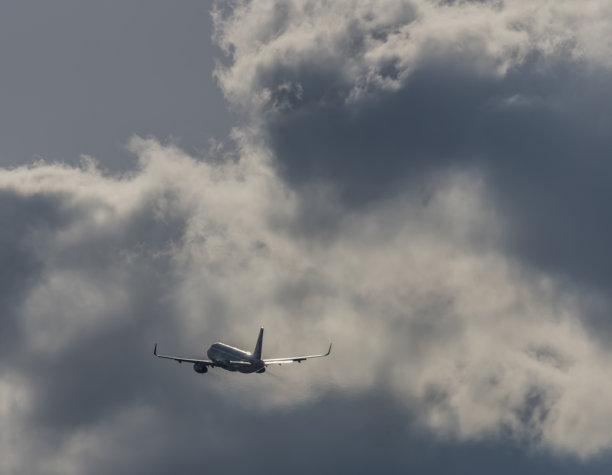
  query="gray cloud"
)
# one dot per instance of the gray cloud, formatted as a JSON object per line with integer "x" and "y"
{"x": 190, "y": 250}
{"x": 540, "y": 151}
{"x": 26, "y": 223}
{"x": 401, "y": 91}
{"x": 391, "y": 166}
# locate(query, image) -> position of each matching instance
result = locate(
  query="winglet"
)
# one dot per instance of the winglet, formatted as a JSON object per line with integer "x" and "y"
{"x": 329, "y": 351}
{"x": 155, "y": 349}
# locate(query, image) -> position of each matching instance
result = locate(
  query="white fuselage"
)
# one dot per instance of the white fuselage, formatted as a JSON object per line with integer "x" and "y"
{"x": 234, "y": 359}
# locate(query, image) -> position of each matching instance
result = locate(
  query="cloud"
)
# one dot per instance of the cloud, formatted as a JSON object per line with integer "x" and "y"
{"x": 405, "y": 183}
{"x": 278, "y": 48}
{"x": 374, "y": 99}
{"x": 422, "y": 304}
{"x": 368, "y": 95}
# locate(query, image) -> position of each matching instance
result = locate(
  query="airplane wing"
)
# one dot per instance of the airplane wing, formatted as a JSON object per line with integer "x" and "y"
{"x": 294, "y": 359}
{"x": 180, "y": 360}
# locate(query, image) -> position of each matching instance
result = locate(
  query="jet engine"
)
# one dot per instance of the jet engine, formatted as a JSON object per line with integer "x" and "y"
{"x": 200, "y": 368}
{"x": 262, "y": 370}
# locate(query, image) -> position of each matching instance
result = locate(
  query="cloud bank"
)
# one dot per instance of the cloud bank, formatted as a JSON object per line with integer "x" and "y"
{"x": 369, "y": 47}
{"x": 398, "y": 170}
{"x": 367, "y": 95}
{"x": 416, "y": 294}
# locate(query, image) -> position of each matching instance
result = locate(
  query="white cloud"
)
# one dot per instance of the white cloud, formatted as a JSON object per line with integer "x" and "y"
{"x": 417, "y": 295}
{"x": 360, "y": 48}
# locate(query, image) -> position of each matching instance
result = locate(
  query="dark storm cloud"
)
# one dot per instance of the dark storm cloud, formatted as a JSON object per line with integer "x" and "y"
{"x": 371, "y": 125}
{"x": 540, "y": 133}
{"x": 77, "y": 384}
{"x": 449, "y": 355}
{"x": 26, "y": 223}
{"x": 362, "y": 434}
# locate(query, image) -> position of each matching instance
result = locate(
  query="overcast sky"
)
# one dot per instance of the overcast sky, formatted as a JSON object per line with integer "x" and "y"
{"x": 424, "y": 183}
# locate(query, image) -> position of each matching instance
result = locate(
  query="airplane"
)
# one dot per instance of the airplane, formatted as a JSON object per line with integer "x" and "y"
{"x": 235, "y": 359}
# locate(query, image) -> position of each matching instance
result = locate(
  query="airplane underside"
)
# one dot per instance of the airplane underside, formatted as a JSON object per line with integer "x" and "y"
{"x": 241, "y": 368}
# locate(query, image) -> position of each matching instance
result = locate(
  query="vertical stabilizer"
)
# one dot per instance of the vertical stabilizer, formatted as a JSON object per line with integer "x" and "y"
{"x": 257, "y": 350}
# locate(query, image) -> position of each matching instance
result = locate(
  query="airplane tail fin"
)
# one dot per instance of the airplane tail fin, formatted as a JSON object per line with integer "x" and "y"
{"x": 257, "y": 350}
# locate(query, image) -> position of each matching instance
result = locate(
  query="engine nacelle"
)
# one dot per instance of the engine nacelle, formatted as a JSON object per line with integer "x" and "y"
{"x": 200, "y": 368}
{"x": 262, "y": 370}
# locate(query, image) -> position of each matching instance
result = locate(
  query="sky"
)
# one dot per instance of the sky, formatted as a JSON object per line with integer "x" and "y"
{"x": 423, "y": 183}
